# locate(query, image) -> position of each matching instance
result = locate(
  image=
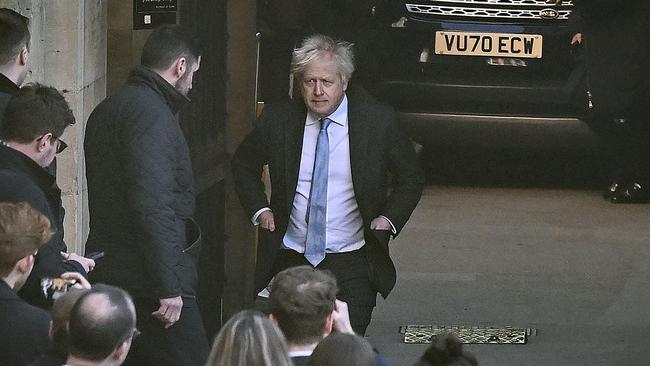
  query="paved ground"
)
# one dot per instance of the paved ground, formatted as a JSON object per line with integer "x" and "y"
{"x": 563, "y": 261}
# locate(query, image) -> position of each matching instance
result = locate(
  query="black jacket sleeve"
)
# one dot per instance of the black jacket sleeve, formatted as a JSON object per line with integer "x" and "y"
{"x": 407, "y": 177}
{"x": 247, "y": 163}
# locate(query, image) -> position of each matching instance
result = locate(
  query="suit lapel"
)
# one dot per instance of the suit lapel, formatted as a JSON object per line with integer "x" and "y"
{"x": 359, "y": 136}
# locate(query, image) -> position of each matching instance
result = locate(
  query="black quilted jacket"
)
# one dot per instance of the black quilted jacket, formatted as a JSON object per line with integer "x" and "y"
{"x": 140, "y": 189}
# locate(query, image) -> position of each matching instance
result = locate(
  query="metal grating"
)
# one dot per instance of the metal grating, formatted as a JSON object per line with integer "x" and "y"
{"x": 422, "y": 334}
{"x": 494, "y": 13}
{"x": 540, "y": 3}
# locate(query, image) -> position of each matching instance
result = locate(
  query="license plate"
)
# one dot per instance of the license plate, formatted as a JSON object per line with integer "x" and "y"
{"x": 488, "y": 44}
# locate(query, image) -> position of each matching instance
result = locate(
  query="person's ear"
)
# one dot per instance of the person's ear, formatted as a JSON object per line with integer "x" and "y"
{"x": 25, "y": 265}
{"x": 273, "y": 319}
{"x": 24, "y": 56}
{"x": 44, "y": 141}
{"x": 329, "y": 324}
{"x": 180, "y": 67}
{"x": 121, "y": 351}
{"x": 345, "y": 84}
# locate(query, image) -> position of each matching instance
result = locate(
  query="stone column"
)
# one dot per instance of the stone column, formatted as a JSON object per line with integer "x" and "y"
{"x": 68, "y": 52}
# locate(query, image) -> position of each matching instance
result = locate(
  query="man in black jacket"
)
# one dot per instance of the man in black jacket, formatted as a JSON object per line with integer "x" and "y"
{"x": 141, "y": 199}
{"x": 14, "y": 54}
{"x": 35, "y": 119}
{"x": 615, "y": 37}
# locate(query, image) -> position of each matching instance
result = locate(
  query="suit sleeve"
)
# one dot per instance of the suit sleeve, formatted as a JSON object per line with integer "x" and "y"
{"x": 247, "y": 163}
{"x": 149, "y": 161}
{"x": 407, "y": 177}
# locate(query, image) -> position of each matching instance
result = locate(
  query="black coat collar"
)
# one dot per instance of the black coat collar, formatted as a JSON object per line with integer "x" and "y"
{"x": 7, "y": 86}
{"x": 171, "y": 96}
{"x": 19, "y": 162}
{"x": 6, "y": 292}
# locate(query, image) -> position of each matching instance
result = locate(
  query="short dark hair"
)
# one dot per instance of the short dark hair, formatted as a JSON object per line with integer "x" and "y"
{"x": 341, "y": 349}
{"x": 14, "y": 33}
{"x": 34, "y": 111}
{"x": 301, "y": 300}
{"x": 167, "y": 44}
{"x": 446, "y": 350}
{"x": 98, "y": 330}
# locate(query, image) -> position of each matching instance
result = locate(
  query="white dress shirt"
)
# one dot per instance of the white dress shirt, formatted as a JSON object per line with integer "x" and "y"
{"x": 344, "y": 230}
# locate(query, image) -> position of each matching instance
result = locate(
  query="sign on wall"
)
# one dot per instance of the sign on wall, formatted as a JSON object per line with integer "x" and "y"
{"x": 149, "y": 14}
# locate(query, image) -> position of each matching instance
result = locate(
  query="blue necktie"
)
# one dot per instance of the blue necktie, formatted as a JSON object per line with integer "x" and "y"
{"x": 317, "y": 205}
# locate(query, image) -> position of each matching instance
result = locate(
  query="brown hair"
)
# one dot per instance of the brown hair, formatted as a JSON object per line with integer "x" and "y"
{"x": 22, "y": 231}
{"x": 249, "y": 339}
{"x": 340, "y": 349}
{"x": 301, "y": 300}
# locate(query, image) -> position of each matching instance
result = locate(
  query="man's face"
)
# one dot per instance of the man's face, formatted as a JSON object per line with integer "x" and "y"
{"x": 322, "y": 87}
{"x": 184, "y": 84}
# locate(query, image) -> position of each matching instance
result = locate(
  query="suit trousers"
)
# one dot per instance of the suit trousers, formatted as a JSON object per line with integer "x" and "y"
{"x": 183, "y": 344}
{"x": 352, "y": 277}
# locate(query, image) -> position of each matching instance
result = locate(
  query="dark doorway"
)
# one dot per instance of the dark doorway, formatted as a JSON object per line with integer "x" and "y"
{"x": 204, "y": 127}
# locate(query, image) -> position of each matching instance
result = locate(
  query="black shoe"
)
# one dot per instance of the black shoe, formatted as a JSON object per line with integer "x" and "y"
{"x": 613, "y": 190}
{"x": 634, "y": 193}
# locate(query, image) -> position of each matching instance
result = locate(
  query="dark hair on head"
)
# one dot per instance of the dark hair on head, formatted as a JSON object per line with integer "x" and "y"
{"x": 34, "y": 111}
{"x": 301, "y": 300}
{"x": 167, "y": 44}
{"x": 102, "y": 319}
{"x": 14, "y": 33}
{"x": 22, "y": 231}
{"x": 446, "y": 350}
{"x": 340, "y": 349}
{"x": 60, "y": 317}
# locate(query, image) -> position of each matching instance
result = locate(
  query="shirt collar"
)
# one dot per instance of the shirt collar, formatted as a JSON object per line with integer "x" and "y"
{"x": 340, "y": 115}
{"x": 300, "y": 353}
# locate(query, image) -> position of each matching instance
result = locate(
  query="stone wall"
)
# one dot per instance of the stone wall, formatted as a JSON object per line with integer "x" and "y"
{"x": 68, "y": 52}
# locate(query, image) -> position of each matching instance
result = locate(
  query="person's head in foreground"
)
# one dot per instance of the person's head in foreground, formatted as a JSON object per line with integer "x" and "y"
{"x": 446, "y": 350}
{"x": 23, "y": 230}
{"x": 302, "y": 302}
{"x": 340, "y": 349}
{"x": 101, "y": 327}
{"x": 249, "y": 339}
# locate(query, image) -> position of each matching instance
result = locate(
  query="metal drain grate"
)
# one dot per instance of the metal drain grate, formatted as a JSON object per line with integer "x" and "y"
{"x": 476, "y": 335}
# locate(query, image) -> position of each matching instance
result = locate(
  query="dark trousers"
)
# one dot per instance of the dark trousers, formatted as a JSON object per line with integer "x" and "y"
{"x": 625, "y": 147}
{"x": 352, "y": 277}
{"x": 183, "y": 344}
